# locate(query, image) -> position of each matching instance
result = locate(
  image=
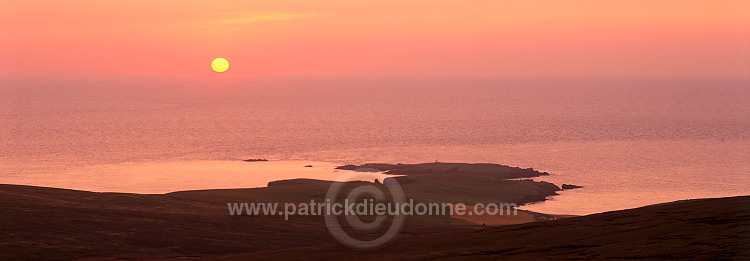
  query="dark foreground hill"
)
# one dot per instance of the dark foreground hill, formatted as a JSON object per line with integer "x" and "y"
{"x": 705, "y": 229}
{"x": 58, "y": 224}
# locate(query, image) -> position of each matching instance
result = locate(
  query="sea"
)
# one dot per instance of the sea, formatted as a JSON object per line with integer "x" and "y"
{"x": 629, "y": 142}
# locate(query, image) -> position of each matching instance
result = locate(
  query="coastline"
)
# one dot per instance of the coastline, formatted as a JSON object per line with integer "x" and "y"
{"x": 68, "y": 224}
{"x": 195, "y": 224}
{"x": 616, "y": 174}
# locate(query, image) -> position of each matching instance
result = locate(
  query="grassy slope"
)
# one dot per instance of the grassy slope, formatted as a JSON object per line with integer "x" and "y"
{"x": 56, "y": 224}
{"x": 706, "y": 229}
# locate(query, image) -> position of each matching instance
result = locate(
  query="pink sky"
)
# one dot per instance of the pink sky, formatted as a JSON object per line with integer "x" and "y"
{"x": 374, "y": 38}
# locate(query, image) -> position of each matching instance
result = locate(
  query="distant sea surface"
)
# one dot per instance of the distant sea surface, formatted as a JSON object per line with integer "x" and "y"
{"x": 629, "y": 143}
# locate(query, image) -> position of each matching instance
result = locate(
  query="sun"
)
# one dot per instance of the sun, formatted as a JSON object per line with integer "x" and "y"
{"x": 220, "y": 64}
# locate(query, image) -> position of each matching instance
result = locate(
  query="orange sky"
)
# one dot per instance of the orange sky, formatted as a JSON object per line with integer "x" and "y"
{"x": 373, "y": 38}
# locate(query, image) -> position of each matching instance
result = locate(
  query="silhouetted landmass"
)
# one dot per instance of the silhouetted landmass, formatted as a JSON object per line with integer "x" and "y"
{"x": 570, "y": 186}
{"x": 704, "y": 229}
{"x": 287, "y": 182}
{"x": 60, "y": 224}
{"x": 254, "y": 160}
{"x": 484, "y": 169}
{"x": 472, "y": 189}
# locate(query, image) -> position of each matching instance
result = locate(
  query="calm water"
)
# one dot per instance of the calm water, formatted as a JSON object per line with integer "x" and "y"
{"x": 630, "y": 143}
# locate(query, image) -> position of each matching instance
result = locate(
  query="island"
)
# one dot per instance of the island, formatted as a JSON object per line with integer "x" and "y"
{"x": 254, "y": 160}
{"x": 62, "y": 224}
